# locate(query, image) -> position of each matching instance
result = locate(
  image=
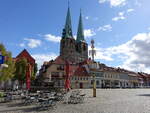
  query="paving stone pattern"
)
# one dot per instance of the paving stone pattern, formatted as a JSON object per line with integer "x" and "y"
{"x": 107, "y": 101}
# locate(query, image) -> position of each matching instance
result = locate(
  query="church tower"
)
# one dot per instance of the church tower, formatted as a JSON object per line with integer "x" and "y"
{"x": 81, "y": 45}
{"x": 67, "y": 44}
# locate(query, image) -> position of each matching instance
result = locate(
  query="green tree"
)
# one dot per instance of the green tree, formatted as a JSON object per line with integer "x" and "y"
{"x": 34, "y": 71}
{"x": 7, "y": 73}
{"x": 20, "y": 73}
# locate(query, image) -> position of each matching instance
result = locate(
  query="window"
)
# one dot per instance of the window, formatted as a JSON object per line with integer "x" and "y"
{"x": 63, "y": 44}
{"x": 58, "y": 83}
{"x": 91, "y": 82}
{"x": 71, "y": 41}
{"x": 97, "y": 82}
{"x": 84, "y": 47}
{"x": 61, "y": 67}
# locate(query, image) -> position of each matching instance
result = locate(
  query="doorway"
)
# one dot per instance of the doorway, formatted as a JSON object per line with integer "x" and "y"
{"x": 81, "y": 85}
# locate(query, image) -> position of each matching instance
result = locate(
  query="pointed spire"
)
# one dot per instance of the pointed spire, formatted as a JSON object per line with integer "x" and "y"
{"x": 80, "y": 33}
{"x": 67, "y": 33}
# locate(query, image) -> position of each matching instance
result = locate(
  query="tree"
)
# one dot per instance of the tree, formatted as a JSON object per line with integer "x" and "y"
{"x": 34, "y": 71}
{"x": 7, "y": 73}
{"x": 20, "y": 73}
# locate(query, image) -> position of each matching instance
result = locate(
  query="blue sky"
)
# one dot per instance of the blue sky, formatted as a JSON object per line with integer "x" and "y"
{"x": 120, "y": 28}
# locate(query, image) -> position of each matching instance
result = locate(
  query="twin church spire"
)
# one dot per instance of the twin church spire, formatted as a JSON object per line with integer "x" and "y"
{"x": 67, "y": 31}
{"x": 73, "y": 50}
{"x": 80, "y": 33}
{"x": 68, "y": 26}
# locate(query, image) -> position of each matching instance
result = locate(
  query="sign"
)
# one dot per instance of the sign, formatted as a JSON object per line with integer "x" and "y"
{"x": 4, "y": 65}
{"x": 1, "y": 59}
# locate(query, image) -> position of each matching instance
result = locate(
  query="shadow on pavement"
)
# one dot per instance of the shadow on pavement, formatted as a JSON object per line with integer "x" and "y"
{"x": 15, "y": 105}
{"x": 32, "y": 109}
{"x": 147, "y": 95}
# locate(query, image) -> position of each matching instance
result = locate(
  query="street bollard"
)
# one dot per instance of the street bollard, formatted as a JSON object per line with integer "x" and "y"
{"x": 94, "y": 86}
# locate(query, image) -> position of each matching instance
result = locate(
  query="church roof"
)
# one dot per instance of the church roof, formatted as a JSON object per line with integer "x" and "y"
{"x": 80, "y": 33}
{"x": 68, "y": 27}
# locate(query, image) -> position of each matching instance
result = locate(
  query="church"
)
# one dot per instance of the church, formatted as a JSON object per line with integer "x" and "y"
{"x": 74, "y": 51}
{"x": 82, "y": 68}
{"x": 71, "y": 49}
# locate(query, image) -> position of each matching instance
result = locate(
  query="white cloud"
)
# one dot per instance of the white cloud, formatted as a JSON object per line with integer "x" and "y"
{"x": 119, "y": 17}
{"x": 22, "y": 45}
{"x": 86, "y": 17}
{"x": 105, "y": 28}
{"x": 102, "y": 1}
{"x": 75, "y": 37}
{"x": 33, "y": 43}
{"x": 41, "y": 58}
{"x": 52, "y": 38}
{"x": 91, "y": 18}
{"x": 130, "y": 10}
{"x": 134, "y": 53}
{"x": 95, "y": 19}
{"x": 114, "y": 3}
{"x": 137, "y": 3}
{"x": 101, "y": 54}
{"x": 89, "y": 33}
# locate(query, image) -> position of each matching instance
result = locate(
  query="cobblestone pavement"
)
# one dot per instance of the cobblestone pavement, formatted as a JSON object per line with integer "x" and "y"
{"x": 107, "y": 101}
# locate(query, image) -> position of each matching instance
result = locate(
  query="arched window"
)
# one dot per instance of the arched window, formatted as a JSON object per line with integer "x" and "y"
{"x": 84, "y": 47}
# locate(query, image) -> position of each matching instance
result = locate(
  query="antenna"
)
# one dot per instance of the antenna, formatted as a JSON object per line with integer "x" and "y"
{"x": 93, "y": 51}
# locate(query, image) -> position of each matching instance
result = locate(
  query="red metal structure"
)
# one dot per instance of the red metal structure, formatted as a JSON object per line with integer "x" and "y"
{"x": 67, "y": 78}
{"x": 28, "y": 77}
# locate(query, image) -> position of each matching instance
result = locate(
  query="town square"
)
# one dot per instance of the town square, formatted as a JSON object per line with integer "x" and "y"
{"x": 107, "y": 101}
{"x": 64, "y": 57}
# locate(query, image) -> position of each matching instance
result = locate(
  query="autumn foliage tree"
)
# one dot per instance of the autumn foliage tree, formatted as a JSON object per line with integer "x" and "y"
{"x": 7, "y": 73}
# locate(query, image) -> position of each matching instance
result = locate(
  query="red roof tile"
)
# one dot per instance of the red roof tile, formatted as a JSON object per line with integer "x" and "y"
{"x": 25, "y": 54}
{"x": 81, "y": 71}
{"x": 59, "y": 60}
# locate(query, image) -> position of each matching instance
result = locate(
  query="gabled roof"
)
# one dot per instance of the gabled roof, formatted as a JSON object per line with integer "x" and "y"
{"x": 81, "y": 71}
{"x": 25, "y": 54}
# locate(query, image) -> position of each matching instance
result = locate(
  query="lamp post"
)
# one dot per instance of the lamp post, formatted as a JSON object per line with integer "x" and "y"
{"x": 93, "y": 53}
